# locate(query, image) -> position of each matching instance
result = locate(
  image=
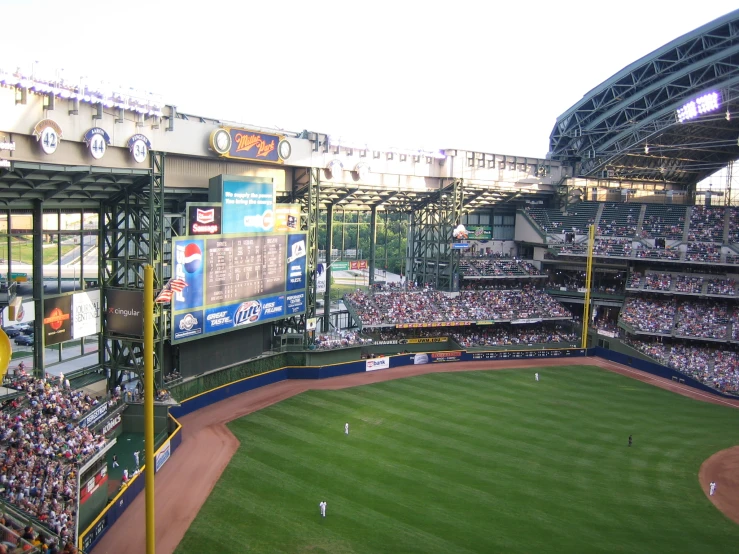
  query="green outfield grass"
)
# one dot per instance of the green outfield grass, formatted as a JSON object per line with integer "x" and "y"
{"x": 487, "y": 462}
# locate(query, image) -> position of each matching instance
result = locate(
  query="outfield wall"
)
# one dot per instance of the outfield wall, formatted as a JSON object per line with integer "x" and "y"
{"x": 196, "y": 402}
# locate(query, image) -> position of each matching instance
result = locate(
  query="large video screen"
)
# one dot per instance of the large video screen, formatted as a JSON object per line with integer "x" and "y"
{"x": 237, "y": 280}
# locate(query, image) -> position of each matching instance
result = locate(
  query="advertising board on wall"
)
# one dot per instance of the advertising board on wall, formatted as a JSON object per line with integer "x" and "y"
{"x": 373, "y": 364}
{"x": 85, "y": 313}
{"x": 162, "y": 456}
{"x": 203, "y": 218}
{"x": 99, "y": 479}
{"x": 287, "y": 218}
{"x": 436, "y": 357}
{"x": 247, "y": 203}
{"x": 124, "y": 311}
{"x": 99, "y": 413}
{"x": 57, "y": 319}
{"x": 321, "y": 278}
{"x": 243, "y": 144}
{"x": 480, "y": 232}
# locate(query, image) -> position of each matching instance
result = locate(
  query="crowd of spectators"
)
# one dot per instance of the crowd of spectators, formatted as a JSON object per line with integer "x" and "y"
{"x": 341, "y": 339}
{"x": 706, "y": 224}
{"x": 41, "y": 444}
{"x": 701, "y": 252}
{"x": 689, "y": 284}
{"x": 722, "y": 286}
{"x": 618, "y": 247}
{"x": 428, "y": 306}
{"x": 667, "y": 224}
{"x": 683, "y": 283}
{"x": 657, "y": 281}
{"x": 708, "y": 320}
{"x": 666, "y": 253}
{"x": 649, "y": 315}
{"x": 496, "y": 264}
{"x": 619, "y": 219}
{"x": 514, "y": 335}
{"x": 717, "y": 367}
{"x": 687, "y": 318}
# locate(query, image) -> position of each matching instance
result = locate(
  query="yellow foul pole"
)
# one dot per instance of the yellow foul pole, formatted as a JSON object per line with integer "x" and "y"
{"x": 149, "y": 405}
{"x": 588, "y": 283}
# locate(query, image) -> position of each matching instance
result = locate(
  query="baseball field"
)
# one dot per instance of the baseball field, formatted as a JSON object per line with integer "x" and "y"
{"x": 473, "y": 462}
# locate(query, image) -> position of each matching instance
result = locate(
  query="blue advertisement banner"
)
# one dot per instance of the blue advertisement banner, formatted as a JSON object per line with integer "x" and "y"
{"x": 295, "y": 303}
{"x": 187, "y": 325}
{"x": 247, "y": 207}
{"x": 188, "y": 256}
{"x": 295, "y": 262}
{"x": 247, "y": 145}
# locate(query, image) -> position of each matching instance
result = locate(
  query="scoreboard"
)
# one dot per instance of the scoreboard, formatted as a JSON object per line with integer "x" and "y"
{"x": 240, "y": 268}
{"x": 234, "y": 281}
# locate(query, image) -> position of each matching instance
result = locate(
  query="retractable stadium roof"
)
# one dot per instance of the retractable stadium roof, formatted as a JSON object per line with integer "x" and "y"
{"x": 671, "y": 117}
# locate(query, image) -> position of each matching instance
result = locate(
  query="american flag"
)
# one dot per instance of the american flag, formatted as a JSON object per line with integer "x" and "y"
{"x": 172, "y": 286}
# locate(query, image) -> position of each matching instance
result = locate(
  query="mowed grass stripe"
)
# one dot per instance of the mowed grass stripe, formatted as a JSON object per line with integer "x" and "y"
{"x": 474, "y": 462}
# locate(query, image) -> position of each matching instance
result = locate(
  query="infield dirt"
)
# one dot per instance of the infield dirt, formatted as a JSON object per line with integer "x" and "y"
{"x": 186, "y": 481}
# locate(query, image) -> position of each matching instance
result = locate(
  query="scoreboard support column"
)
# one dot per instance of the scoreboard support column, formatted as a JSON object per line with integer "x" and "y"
{"x": 329, "y": 248}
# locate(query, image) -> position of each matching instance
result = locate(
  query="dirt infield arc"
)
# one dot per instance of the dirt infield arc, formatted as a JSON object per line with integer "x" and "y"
{"x": 184, "y": 483}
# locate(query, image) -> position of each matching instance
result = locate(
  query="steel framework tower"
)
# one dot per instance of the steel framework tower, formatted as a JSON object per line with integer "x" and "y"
{"x": 432, "y": 258}
{"x": 132, "y": 238}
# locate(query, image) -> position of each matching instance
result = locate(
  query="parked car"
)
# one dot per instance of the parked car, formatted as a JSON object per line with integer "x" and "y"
{"x": 12, "y": 331}
{"x": 24, "y": 340}
{"x": 28, "y": 330}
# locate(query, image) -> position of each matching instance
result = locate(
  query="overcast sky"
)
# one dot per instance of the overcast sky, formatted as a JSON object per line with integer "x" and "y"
{"x": 480, "y": 75}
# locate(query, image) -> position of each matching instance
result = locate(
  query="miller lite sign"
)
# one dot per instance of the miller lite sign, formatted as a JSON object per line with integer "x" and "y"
{"x": 203, "y": 218}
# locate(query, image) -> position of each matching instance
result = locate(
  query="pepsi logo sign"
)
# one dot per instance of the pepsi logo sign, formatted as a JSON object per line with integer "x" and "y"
{"x": 193, "y": 259}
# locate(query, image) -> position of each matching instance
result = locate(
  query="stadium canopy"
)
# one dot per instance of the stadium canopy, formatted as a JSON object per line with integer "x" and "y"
{"x": 670, "y": 117}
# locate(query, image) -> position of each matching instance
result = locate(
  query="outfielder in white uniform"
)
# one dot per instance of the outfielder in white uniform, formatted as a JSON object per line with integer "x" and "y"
{"x": 536, "y": 375}
{"x": 346, "y": 428}
{"x": 322, "y": 505}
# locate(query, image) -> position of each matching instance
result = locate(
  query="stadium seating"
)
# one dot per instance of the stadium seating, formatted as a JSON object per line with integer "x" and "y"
{"x": 393, "y": 308}
{"x": 40, "y": 447}
{"x": 616, "y": 247}
{"x": 702, "y": 252}
{"x": 706, "y": 224}
{"x": 619, "y": 219}
{"x": 664, "y": 221}
{"x": 657, "y": 253}
{"x": 513, "y": 335}
{"x": 649, "y": 315}
{"x": 635, "y": 280}
{"x": 698, "y": 319}
{"x": 578, "y": 217}
{"x": 717, "y": 367}
{"x": 496, "y": 267}
{"x": 657, "y": 281}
